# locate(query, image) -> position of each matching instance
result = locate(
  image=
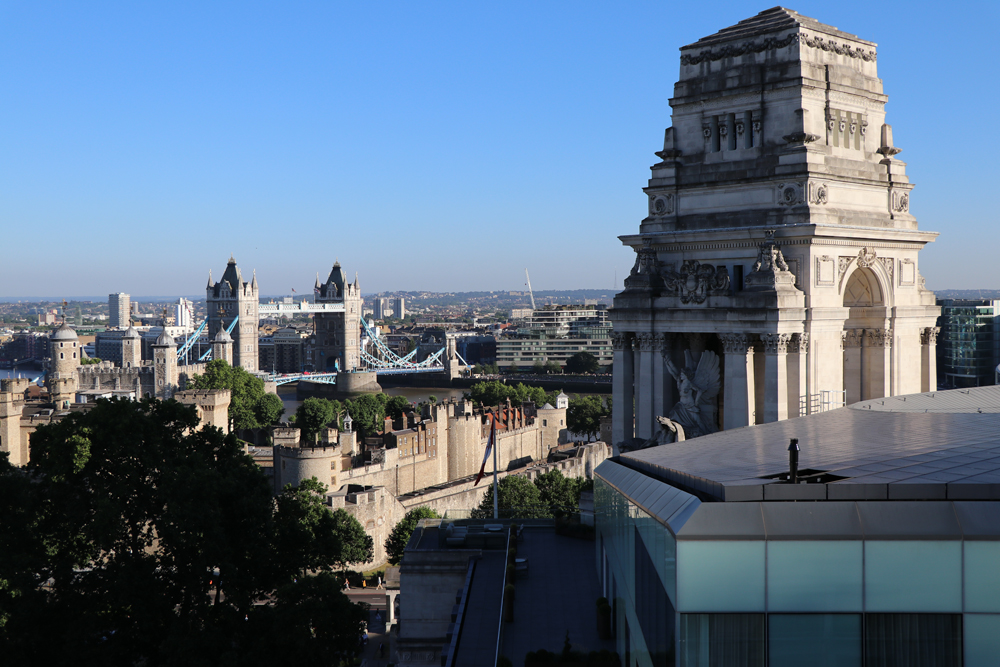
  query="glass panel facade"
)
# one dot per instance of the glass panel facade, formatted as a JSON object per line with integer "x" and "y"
{"x": 968, "y": 346}
{"x": 982, "y": 576}
{"x": 656, "y": 614}
{"x": 821, "y": 640}
{"x": 913, "y": 576}
{"x": 720, "y": 576}
{"x": 982, "y": 640}
{"x": 913, "y": 640}
{"x": 814, "y": 576}
{"x": 722, "y": 640}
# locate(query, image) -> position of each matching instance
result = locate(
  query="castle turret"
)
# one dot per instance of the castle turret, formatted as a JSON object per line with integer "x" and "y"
{"x": 64, "y": 355}
{"x": 222, "y": 347}
{"x": 165, "y": 376}
{"x": 131, "y": 348}
{"x": 11, "y": 405}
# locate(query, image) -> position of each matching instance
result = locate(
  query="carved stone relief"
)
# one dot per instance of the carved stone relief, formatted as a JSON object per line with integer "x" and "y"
{"x": 899, "y": 202}
{"x": 736, "y": 343}
{"x": 788, "y": 194}
{"x": 695, "y": 281}
{"x": 818, "y": 194}
{"x": 889, "y": 263}
{"x": 775, "y": 343}
{"x": 771, "y": 43}
{"x": 661, "y": 204}
{"x": 770, "y": 269}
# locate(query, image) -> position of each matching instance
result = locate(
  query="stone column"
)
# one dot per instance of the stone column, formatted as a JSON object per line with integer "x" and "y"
{"x": 852, "y": 365}
{"x": 775, "y": 376}
{"x": 623, "y": 389}
{"x": 928, "y": 358}
{"x": 738, "y": 385}
{"x": 390, "y": 607}
{"x": 878, "y": 348}
{"x": 657, "y": 372}
{"x": 669, "y": 399}
{"x": 798, "y": 348}
{"x": 644, "y": 386}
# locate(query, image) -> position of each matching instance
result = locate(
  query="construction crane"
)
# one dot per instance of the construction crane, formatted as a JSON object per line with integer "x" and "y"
{"x": 530, "y": 293}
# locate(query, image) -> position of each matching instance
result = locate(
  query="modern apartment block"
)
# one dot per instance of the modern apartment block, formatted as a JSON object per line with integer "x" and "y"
{"x": 556, "y": 333}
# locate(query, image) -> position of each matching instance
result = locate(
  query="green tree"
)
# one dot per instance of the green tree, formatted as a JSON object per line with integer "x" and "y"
{"x": 269, "y": 409}
{"x": 356, "y": 546}
{"x": 560, "y": 493}
{"x": 551, "y": 368}
{"x": 491, "y": 392}
{"x": 518, "y": 499}
{"x": 396, "y": 543}
{"x": 582, "y": 363}
{"x": 368, "y": 413}
{"x": 395, "y": 406}
{"x": 312, "y": 417}
{"x": 153, "y": 538}
{"x": 247, "y": 391}
{"x": 584, "y": 415}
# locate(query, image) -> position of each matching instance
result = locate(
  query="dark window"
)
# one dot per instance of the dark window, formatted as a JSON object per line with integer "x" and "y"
{"x": 722, "y": 640}
{"x": 830, "y": 640}
{"x": 653, "y": 608}
{"x": 913, "y": 640}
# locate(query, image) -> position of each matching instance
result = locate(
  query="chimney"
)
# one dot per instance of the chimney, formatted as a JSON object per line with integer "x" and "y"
{"x": 793, "y": 461}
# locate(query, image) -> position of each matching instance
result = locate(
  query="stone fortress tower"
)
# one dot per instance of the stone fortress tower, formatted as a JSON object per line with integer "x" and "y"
{"x": 338, "y": 335}
{"x": 779, "y": 235}
{"x": 227, "y": 299}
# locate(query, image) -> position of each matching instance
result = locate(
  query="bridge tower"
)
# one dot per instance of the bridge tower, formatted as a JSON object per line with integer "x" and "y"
{"x": 227, "y": 299}
{"x": 338, "y": 335}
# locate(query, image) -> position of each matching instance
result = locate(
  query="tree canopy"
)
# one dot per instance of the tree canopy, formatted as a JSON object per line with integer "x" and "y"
{"x": 494, "y": 392}
{"x": 154, "y": 539}
{"x": 518, "y": 499}
{"x": 248, "y": 406}
{"x": 368, "y": 413}
{"x": 582, "y": 363}
{"x": 560, "y": 493}
{"x": 396, "y": 543}
{"x": 313, "y": 415}
{"x": 585, "y": 412}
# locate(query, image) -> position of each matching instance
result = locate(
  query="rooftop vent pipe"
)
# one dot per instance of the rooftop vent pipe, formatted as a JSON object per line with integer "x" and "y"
{"x": 793, "y": 461}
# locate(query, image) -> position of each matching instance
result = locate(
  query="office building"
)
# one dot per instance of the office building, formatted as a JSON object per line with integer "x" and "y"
{"x": 968, "y": 344}
{"x": 881, "y": 550}
{"x": 556, "y": 333}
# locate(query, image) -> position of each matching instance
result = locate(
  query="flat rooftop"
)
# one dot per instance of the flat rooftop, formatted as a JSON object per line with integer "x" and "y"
{"x": 931, "y": 446}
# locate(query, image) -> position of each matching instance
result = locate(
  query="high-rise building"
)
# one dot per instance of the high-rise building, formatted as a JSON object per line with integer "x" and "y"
{"x": 399, "y": 308}
{"x": 184, "y": 315}
{"x": 968, "y": 345}
{"x": 779, "y": 245}
{"x": 119, "y": 310}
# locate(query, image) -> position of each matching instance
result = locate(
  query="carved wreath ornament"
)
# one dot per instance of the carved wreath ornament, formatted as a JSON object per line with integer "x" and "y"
{"x": 695, "y": 281}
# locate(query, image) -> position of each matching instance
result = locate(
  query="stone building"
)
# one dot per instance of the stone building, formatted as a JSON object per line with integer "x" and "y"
{"x": 232, "y": 298}
{"x": 779, "y": 237}
{"x": 427, "y": 460}
{"x": 337, "y": 344}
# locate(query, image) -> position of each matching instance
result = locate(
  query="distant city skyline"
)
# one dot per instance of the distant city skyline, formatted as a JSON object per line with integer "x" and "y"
{"x": 438, "y": 148}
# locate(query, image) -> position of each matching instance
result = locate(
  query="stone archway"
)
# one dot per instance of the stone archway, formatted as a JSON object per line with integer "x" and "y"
{"x": 867, "y": 339}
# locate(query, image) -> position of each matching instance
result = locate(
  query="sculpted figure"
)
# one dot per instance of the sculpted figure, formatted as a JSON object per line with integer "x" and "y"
{"x": 698, "y": 387}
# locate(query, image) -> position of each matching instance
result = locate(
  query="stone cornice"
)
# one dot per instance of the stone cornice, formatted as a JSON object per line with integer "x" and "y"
{"x": 750, "y": 237}
{"x": 772, "y": 43}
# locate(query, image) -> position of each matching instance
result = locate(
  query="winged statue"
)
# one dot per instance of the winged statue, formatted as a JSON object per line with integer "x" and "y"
{"x": 698, "y": 386}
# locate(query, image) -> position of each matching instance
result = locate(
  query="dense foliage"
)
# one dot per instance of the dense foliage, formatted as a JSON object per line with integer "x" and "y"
{"x": 582, "y": 363}
{"x": 585, "y": 413}
{"x": 133, "y": 537}
{"x": 518, "y": 498}
{"x": 395, "y": 544}
{"x": 370, "y": 410}
{"x": 561, "y": 493}
{"x": 249, "y": 405}
{"x": 313, "y": 415}
{"x": 493, "y": 393}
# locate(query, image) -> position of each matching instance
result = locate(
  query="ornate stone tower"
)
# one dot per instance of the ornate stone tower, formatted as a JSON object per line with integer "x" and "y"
{"x": 131, "y": 348}
{"x": 779, "y": 236}
{"x": 165, "y": 376}
{"x": 227, "y": 299}
{"x": 338, "y": 334}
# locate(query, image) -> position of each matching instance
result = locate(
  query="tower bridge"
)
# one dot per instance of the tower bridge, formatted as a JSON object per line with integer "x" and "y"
{"x": 343, "y": 341}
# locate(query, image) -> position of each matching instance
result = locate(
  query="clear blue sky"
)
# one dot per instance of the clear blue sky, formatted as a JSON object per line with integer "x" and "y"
{"x": 427, "y": 145}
